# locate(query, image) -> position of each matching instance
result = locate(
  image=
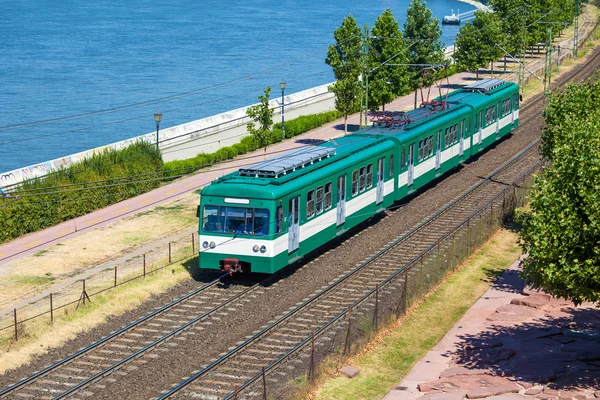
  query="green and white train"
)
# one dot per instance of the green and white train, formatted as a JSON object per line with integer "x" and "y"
{"x": 268, "y": 215}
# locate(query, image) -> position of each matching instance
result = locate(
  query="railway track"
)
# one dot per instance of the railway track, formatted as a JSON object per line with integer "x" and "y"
{"x": 222, "y": 377}
{"x": 226, "y": 376}
{"x": 219, "y": 379}
{"x": 86, "y": 367}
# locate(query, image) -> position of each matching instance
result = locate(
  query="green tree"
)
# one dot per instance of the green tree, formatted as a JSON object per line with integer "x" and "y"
{"x": 344, "y": 59}
{"x": 262, "y": 115}
{"x": 423, "y": 33}
{"x": 561, "y": 232}
{"x": 479, "y": 42}
{"x": 386, "y": 45}
{"x": 512, "y": 16}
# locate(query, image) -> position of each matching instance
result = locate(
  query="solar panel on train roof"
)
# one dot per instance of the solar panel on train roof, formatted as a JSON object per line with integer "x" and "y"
{"x": 483, "y": 86}
{"x": 287, "y": 162}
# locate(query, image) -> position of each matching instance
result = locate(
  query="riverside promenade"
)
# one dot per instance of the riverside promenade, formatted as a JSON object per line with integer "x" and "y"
{"x": 35, "y": 242}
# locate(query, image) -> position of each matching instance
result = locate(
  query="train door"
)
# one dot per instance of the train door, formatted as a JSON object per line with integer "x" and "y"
{"x": 438, "y": 152}
{"x": 411, "y": 164}
{"x": 461, "y": 145}
{"x": 341, "y": 203}
{"x": 380, "y": 194}
{"x": 480, "y": 127}
{"x": 498, "y": 113}
{"x": 512, "y": 111}
{"x": 294, "y": 224}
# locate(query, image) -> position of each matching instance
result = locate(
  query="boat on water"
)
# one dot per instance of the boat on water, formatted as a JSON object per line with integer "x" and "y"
{"x": 452, "y": 19}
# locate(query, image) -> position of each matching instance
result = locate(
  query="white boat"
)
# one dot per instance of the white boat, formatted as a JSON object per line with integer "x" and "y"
{"x": 453, "y": 19}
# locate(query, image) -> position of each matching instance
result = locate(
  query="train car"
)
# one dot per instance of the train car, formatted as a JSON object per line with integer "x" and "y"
{"x": 268, "y": 215}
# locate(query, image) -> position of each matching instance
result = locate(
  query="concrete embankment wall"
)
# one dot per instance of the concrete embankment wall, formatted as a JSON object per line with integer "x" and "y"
{"x": 201, "y": 136}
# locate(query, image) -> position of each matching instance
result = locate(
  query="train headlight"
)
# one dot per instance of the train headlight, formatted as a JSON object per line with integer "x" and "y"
{"x": 255, "y": 248}
{"x": 212, "y": 245}
{"x": 263, "y": 249}
{"x": 205, "y": 244}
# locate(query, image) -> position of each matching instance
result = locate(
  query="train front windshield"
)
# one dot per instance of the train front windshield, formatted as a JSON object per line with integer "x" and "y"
{"x": 237, "y": 220}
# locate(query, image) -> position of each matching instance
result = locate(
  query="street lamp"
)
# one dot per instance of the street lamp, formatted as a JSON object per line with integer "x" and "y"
{"x": 282, "y": 86}
{"x": 157, "y": 118}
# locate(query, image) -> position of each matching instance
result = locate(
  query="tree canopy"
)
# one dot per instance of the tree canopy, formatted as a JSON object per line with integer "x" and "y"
{"x": 262, "y": 115}
{"x": 344, "y": 59}
{"x": 386, "y": 45}
{"x": 561, "y": 232}
{"x": 423, "y": 33}
{"x": 479, "y": 42}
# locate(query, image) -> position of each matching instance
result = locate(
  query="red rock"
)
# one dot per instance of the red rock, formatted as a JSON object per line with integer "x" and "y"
{"x": 533, "y": 301}
{"x": 465, "y": 382}
{"x": 454, "y": 371}
{"x": 481, "y": 393}
{"x": 534, "y": 390}
{"x": 349, "y": 371}
{"x": 529, "y": 291}
{"x": 443, "y": 396}
{"x": 525, "y": 384}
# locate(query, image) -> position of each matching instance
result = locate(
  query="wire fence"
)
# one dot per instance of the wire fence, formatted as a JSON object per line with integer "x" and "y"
{"x": 67, "y": 300}
{"x": 348, "y": 331}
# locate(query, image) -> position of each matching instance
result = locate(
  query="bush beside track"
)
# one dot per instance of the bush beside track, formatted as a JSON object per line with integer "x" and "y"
{"x": 94, "y": 183}
{"x": 293, "y": 128}
{"x": 106, "y": 179}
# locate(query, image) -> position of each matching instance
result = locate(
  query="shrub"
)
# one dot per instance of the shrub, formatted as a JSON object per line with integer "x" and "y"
{"x": 94, "y": 183}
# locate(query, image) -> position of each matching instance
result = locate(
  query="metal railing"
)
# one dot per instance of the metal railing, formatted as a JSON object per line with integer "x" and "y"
{"x": 81, "y": 292}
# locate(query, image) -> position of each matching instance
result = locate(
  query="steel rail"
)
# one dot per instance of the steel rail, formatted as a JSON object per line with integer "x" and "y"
{"x": 119, "y": 332}
{"x": 351, "y": 273}
{"x": 356, "y": 303}
{"x": 152, "y": 345}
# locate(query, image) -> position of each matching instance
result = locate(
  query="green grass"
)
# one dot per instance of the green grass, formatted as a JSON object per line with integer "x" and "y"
{"x": 398, "y": 348}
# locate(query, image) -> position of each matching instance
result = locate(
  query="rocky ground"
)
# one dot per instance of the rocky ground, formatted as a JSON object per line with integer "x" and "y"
{"x": 535, "y": 346}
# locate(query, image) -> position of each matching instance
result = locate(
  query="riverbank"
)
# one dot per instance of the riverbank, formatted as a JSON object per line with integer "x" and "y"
{"x": 477, "y": 4}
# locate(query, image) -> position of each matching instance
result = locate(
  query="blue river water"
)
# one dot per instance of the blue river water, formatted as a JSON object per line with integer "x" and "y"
{"x": 80, "y": 74}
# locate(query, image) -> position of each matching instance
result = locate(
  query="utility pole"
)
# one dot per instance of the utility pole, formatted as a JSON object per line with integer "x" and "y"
{"x": 522, "y": 64}
{"x": 548, "y": 63}
{"x": 364, "y": 101}
{"x": 576, "y": 29}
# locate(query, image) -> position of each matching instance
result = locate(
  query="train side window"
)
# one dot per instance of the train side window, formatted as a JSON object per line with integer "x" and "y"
{"x": 446, "y": 137}
{"x": 468, "y": 126}
{"x": 420, "y": 150}
{"x": 402, "y": 160}
{"x": 310, "y": 204}
{"x": 354, "y": 182}
{"x": 327, "y": 195}
{"x": 391, "y": 168}
{"x": 279, "y": 220}
{"x": 362, "y": 179}
{"x": 489, "y": 115}
{"x": 430, "y": 147}
{"x": 369, "y": 176}
{"x": 319, "y": 199}
{"x": 455, "y": 129}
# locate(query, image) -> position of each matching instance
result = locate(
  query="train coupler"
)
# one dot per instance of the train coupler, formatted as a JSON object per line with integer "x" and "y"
{"x": 231, "y": 265}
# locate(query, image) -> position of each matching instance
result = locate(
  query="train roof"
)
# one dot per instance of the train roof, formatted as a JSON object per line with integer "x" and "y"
{"x": 265, "y": 179}
{"x": 288, "y": 171}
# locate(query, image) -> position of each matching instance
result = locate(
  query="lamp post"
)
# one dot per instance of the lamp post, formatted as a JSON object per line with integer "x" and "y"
{"x": 282, "y": 86}
{"x": 157, "y": 118}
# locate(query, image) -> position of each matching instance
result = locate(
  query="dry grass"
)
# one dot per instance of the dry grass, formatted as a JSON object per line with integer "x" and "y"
{"x": 396, "y": 348}
{"x": 38, "y": 336}
{"x": 62, "y": 261}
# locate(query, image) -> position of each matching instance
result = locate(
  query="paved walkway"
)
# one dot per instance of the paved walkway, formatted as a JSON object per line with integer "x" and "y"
{"x": 512, "y": 346}
{"x": 37, "y": 241}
